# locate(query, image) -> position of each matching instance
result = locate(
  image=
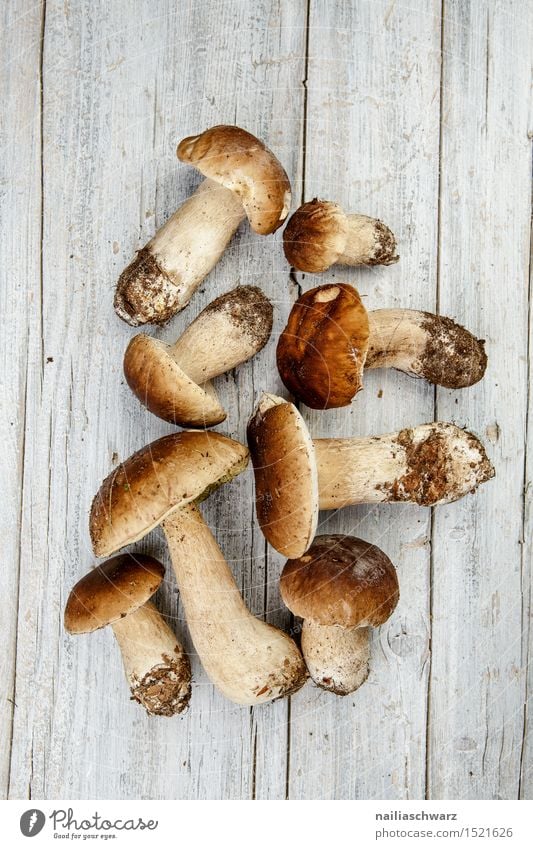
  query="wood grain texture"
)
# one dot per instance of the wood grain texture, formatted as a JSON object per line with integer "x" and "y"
{"x": 118, "y": 95}
{"x": 526, "y": 772}
{"x": 372, "y": 744}
{"x": 20, "y": 213}
{"x": 477, "y": 685}
{"x": 361, "y": 108}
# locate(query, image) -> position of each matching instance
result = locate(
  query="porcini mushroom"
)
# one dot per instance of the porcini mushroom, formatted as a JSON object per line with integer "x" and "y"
{"x": 320, "y": 234}
{"x": 248, "y": 660}
{"x": 116, "y": 593}
{"x": 173, "y": 381}
{"x": 330, "y": 338}
{"x": 428, "y": 465}
{"x": 244, "y": 179}
{"x": 341, "y": 587}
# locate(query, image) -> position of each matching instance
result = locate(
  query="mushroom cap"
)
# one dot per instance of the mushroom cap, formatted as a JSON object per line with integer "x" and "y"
{"x": 154, "y": 375}
{"x": 286, "y": 481}
{"x": 242, "y": 163}
{"x": 111, "y": 591}
{"x": 315, "y": 236}
{"x": 160, "y": 478}
{"x": 322, "y": 351}
{"x": 341, "y": 581}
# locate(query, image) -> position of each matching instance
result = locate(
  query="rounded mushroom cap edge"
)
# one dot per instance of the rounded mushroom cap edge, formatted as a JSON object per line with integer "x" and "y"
{"x": 341, "y": 580}
{"x": 162, "y": 477}
{"x": 286, "y": 478}
{"x": 315, "y": 236}
{"x": 161, "y": 385}
{"x": 111, "y": 591}
{"x": 241, "y": 163}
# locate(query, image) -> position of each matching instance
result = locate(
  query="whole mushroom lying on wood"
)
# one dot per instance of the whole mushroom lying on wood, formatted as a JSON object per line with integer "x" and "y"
{"x": 243, "y": 179}
{"x": 320, "y": 234}
{"x": 173, "y": 381}
{"x": 295, "y": 476}
{"x": 330, "y": 338}
{"x": 116, "y": 593}
{"x": 341, "y": 587}
{"x": 248, "y": 660}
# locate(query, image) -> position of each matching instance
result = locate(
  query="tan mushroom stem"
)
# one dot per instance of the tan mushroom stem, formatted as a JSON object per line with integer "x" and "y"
{"x": 248, "y": 660}
{"x": 166, "y": 273}
{"x": 429, "y": 464}
{"x": 156, "y": 666}
{"x": 219, "y": 339}
{"x": 368, "y": 242}
{"x": 337, "y": 658}
{"x": 426, "y": 345}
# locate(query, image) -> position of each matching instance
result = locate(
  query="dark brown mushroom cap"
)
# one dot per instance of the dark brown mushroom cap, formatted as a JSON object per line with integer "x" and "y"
{"x": 341, "y": 581}
{"x": 111, "y": 591}
{"x": 315, "y": 236}
{"x": 242, "y": 163}
{"x": 160, "y": 478}
{"x": 322, "y": 351}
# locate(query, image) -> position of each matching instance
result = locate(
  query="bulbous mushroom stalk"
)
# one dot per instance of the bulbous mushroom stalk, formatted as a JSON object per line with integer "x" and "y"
{"x": 330, "y": 338}
{"x": 116, "y": 593}
{"x": 341, "y": 588}
{"x": 428, "y": 465}
{"x": 248, "y": 660}
{"x": 320, "y": 234}
{"x": 173, "y": 381}
{"x": 244, "y": 179}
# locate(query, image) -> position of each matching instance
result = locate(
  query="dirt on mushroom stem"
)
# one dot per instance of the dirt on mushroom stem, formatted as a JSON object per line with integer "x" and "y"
{"x": 427, "y": 479}
{"x": 145, "y": 293}
{"x": 452, "y": 358}
{"x": 162, "y": 691}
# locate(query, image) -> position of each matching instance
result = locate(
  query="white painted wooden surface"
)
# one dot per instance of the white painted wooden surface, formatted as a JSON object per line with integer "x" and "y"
{"x": 394, "y": 110}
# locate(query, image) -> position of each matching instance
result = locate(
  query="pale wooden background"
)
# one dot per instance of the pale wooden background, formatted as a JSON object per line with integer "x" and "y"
{"x": 396, "y": 108}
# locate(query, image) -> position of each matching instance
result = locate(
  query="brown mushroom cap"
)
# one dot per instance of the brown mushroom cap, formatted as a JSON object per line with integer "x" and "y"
{"x": 341, "y": 581}
{"x": 242, "y": 163}
{"x": 165, "y": 475}
{"x": 286, "y": 482}
{"x": 156, "y": 378}
{"x": 111, "y": 591}
{"x": 315, "y": 236}
{"x": 322, "y": 351}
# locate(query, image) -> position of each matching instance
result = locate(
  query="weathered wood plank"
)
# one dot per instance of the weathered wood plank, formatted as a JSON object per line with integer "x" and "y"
{"x": 119, "y": 91}
{"x": 526, "y": 773}
{"x": 372, "y": 145}
{"x": 477, "y": 678}
{"x": 121, "y": 86}
{"x": 20, "y": 213}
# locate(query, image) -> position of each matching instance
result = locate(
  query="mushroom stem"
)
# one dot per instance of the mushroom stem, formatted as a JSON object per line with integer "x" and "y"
{"x": 425, "y": 345}
{"x": 229, "y": 331}
{"x": 430, "y": 464}
{"x": 369, "y": 242}
{"x": 248, "y": 660}
{"x": 337, "y": 658}
{"x": 165, "y": 274}
{"x": 157, "y": 669}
